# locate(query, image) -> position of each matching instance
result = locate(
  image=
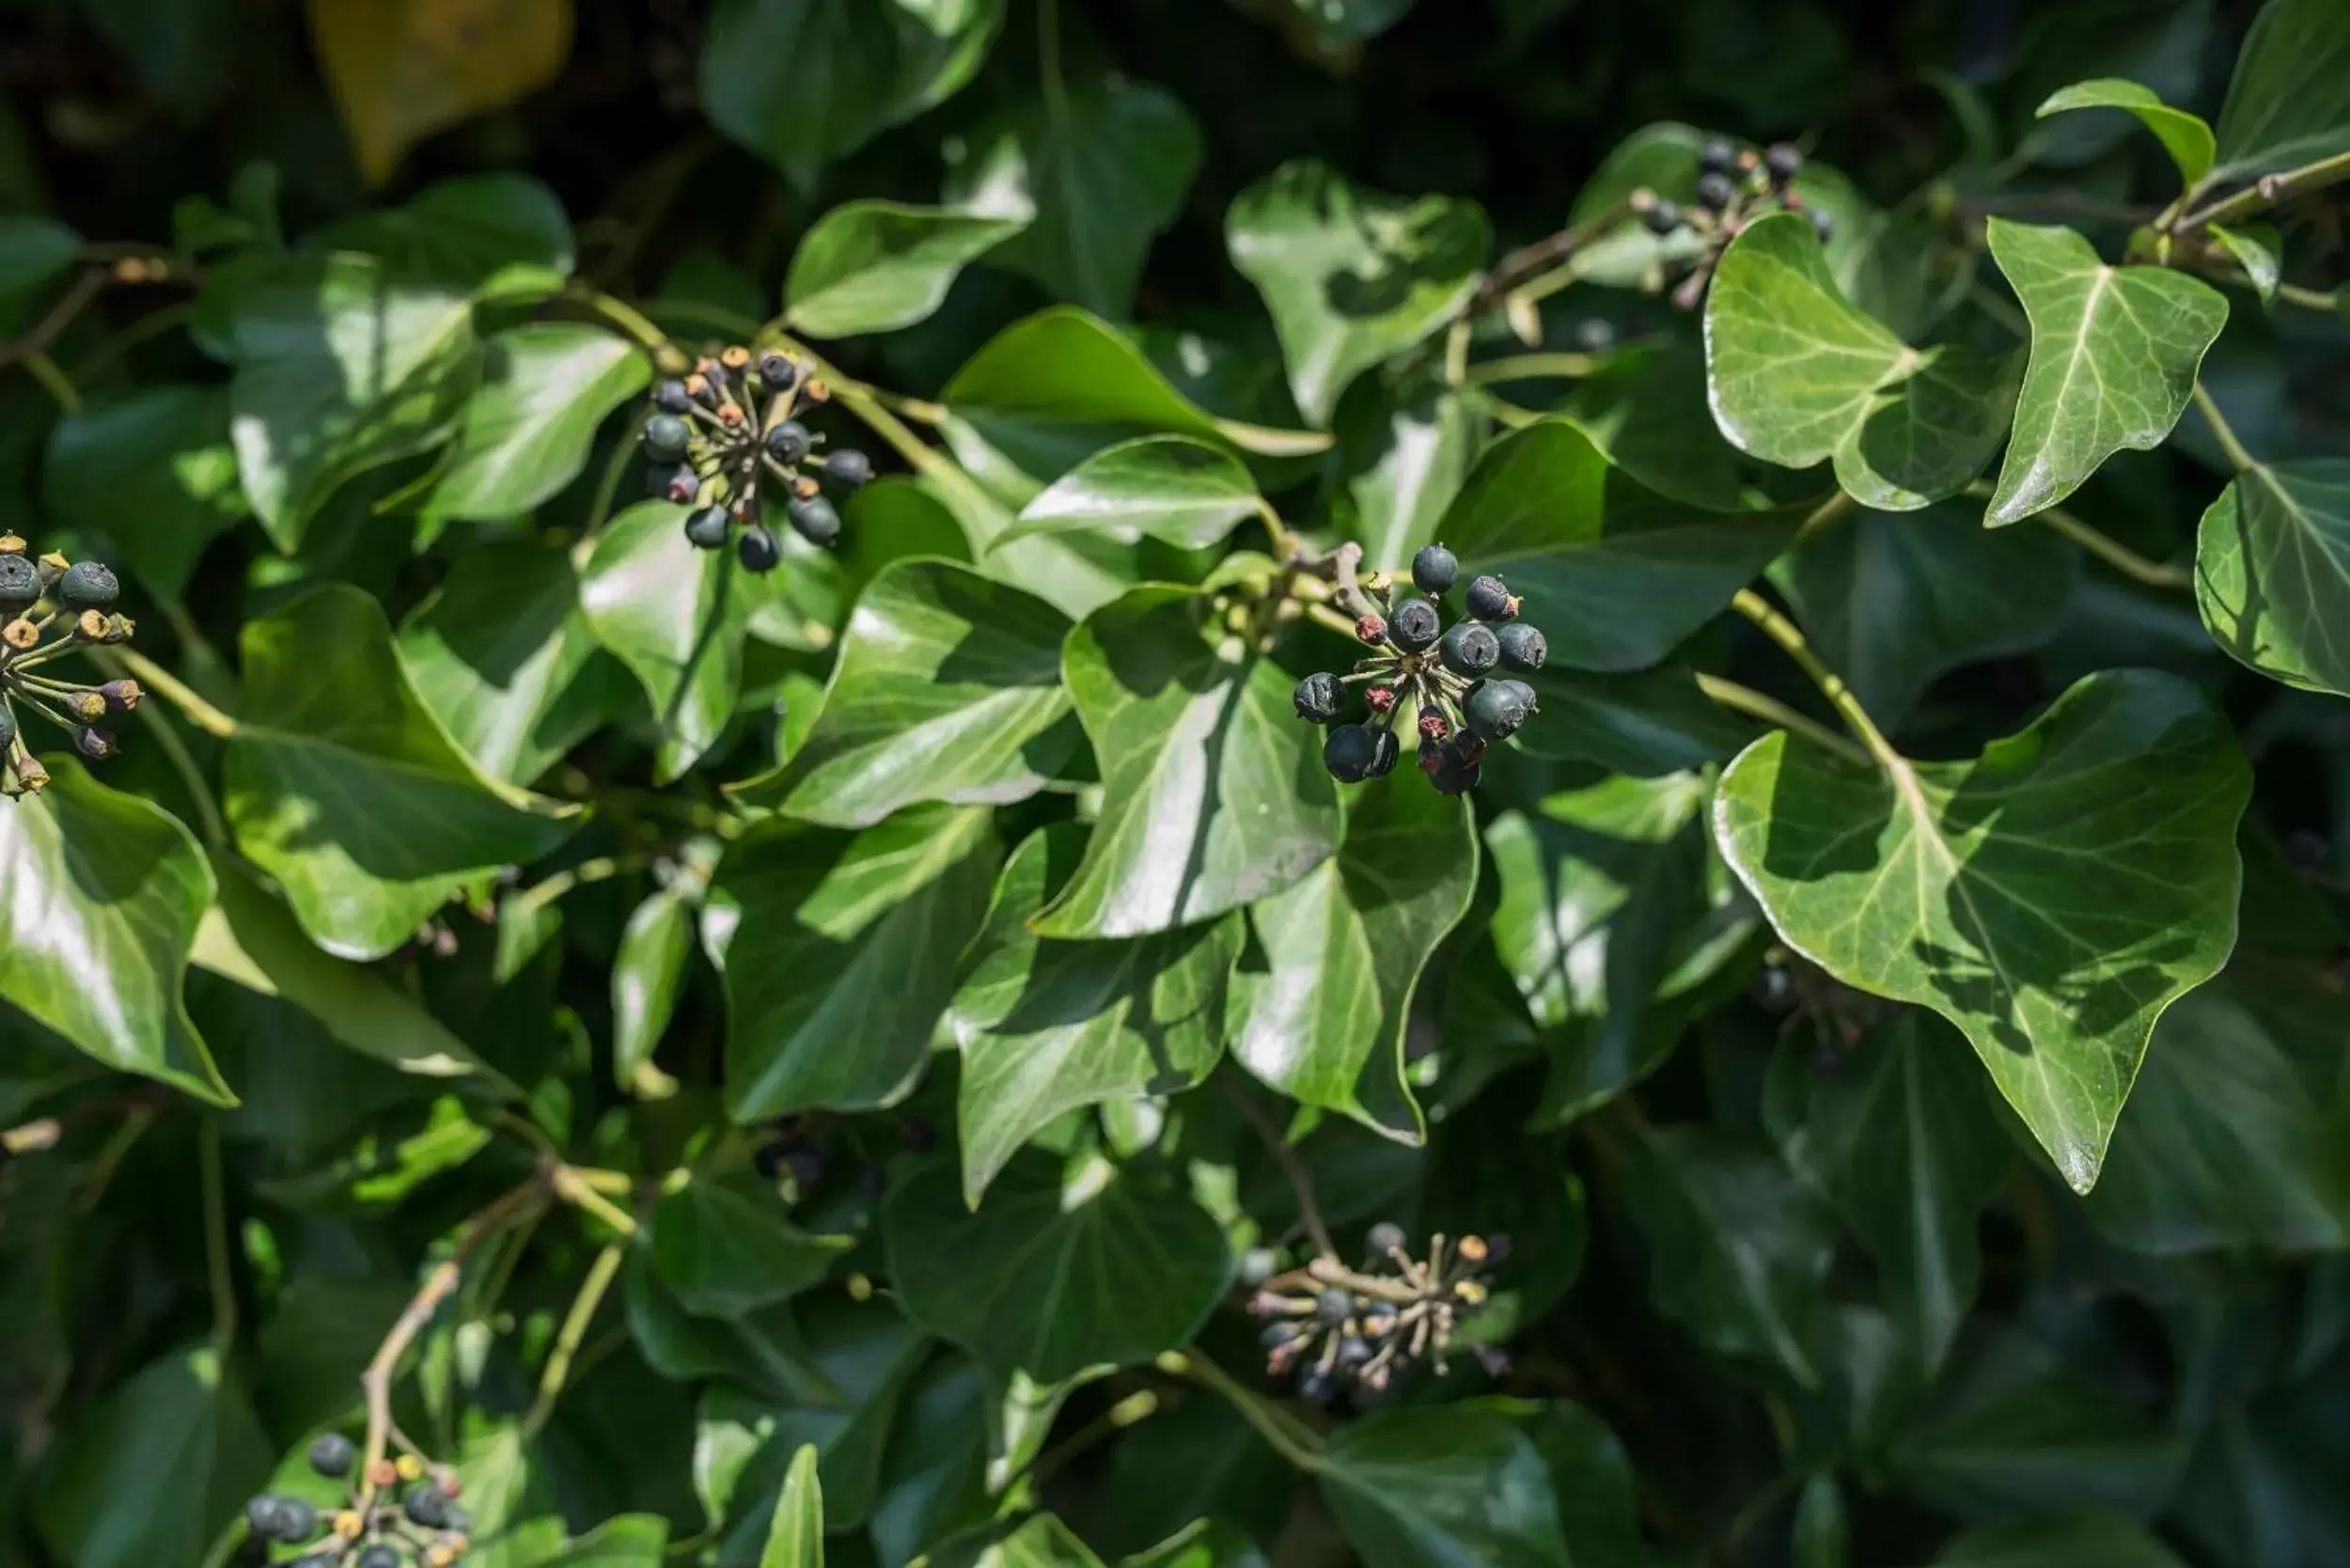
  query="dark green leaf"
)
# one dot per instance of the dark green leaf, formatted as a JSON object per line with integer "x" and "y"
{"x": 724, "y": 1249}
{"x": 648, "y": 973}
{"x": 2070, "y": 1540}
{"x": 1402, "y": 456}
{"x": 1442, "y": 1487}
{"x": 625, "y": 1541}
{"x": 1351, "y": 278}
{"x": 674, "y": 615}
{"x": 1051, "y": 390}
{"x": 876, "y": 266}
{"x": 1169, "y": 487}
{"x": 1214, "y": 794}
{"x": 1647, "y": 408}
{"x": 493, "y": 236}
{"x": 1057, "y": 1270}
{"x": 2289, "y": 102}
{"x": 2185, "y": 136}
{"x": 2272, "y": 572}
{"x": 33, "y": 252}
{"x": 796, "y": 1537}
{"x": 528, "y": 428}
{"x": 1647, "y": 722}
{"x": 1821, "y": 1537}
{"x": 1591, "y": 1477}
{"x": 153, "y": 472}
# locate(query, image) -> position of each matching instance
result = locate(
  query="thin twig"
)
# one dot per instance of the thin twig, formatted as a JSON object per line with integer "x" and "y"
{"x": 583, "y": 1313}
{"x": 216, "y": 1268}
{"x": 37, "y": 338}
{"x": 156, "y": 679}
{"x": 1294, "y": 1443}
{"x": 1300, "y": 1179}
{"x": 2268, "y": 191}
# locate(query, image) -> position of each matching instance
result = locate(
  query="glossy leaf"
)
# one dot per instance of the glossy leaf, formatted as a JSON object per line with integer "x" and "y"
{"x": 2050, "y": 898}
{"x": 624, "y": 1541}
{"x": 1214, "y": 792}
{"x": 1644, "y": 722}
{"x": 674, "y": 615}
{"x": 648, "y": 973}
{"x": 2183, "y": 135}
{"x": 341, "y": 367}
{"x": 796, "y": 1538}
{"x": 947, "y": 688}
{"x": 1054, "y": 388}
{"x": 2114, "y": 354}
{"x": 1442, "y": 1487}
{"x": 1351, "y": 278}
{"x": 154, "y": 472}
{"x": 876, "y": 266}
{"x": 343, "y": 788}
{"x": 1169, "y": 487}
{"x": 724, "y": 1249}
{"x": 1798, "y": 376}
{"x": 2272, "y": 572}
{"x": 528, "y": 428}
{"x": 1591, "y": 1475}
{"x": 1057, "y": 1270}
{"x": 1324, "y": 1019}
{"x": 839, "y": 954}
{"x": 1613, "y": 572}
{"x": 2066, "y": 1540}
{"x": 493, "y": 236}
{"x": 2289, "y": 102}
{"x": 1403, "y": 457}
{"x": 1047, "y": 1027}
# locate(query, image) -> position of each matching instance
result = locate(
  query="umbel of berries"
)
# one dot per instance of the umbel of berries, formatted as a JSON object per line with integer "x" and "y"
{"x": 718, "y": 435}
{"x": 1360, "y": 1330}
{"x": 51, "y": 607}
{"x": 1733, "y": 187}
{"x": 1456, "y": 686}
{"x": 396, "y": 1513}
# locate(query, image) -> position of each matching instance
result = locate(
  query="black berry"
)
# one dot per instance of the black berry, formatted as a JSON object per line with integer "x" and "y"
{"x": 1454, "y": 777}
{"x": 332, "y": 1454}
{"x": 1717, "y": 156}
{"x": 1384, "y": 1238}
{"x": 768, "y": 1158}
{"x": 297, "y": 1521}
{"x": 1351, "y": 1352}
{"x": 1382, "y": 758}
{"x": 1489, "y": 599}
{"x": 787, "y": 442}
{"x": 1349, "y": 752}
{"x": 1496, "y": 708}
{"x": 1662, "y": 216}
{"x": 20, "y": 581}
{"x": 1318, "y": 697}
{"x": 8, "y": 728}
{"x": 1523, "y": 647}
{"x": 776, "y": 372}
{"x": 1783, "y": 161}
{"x": 1470, "y": 649}
{"x": 1434, "y": 569}
{"x": 1414, "y": 625}
{"x": 1276, "y": 1335}
{"x": 667, "y": 437}
{"x": 672, "y": 481}
{"x": 1334, "y": 1306}
{"x": 427, "y": 1506}
{"x": 757, "y": 549}
{"x": 1317, "y": 1385}
{"x": 813, "y": 519}
{"x": 670, "y": 396}
{"x": 1821, "y": 225}
{"x": 87, "y": 585}
{"x": 1715, "y": 192}
{"x": 708, "y": 527}
{"x": 261, "y": 1516}
{"x": 848, "y": 468}
{"x": 377, "y": 1556}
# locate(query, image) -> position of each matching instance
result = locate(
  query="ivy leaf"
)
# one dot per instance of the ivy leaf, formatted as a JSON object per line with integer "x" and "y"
{"x": 1169, "y": 487}
{"x": 401, "y": 72}
{"x": 492, "y": 236}
{"x": 796, "y": 1537}
{"x": 1591, "y": 1477}
{"x": 1649, "y": 411}
{"x": 1799, "y": 376}
{"x": 1047, "y": 1027}
{"x": 674, "y": 614}
{"x": 1435, "y": 1486}
{"x": 2289, "y": 102}
{"x": 2183, "y": 135}
{"x": 2272, "y": 572}
{"x": 1616, "y": 573}
{"x": 528, "y": 429}
{"x": 1892, "y": 601}
{"x": 1402, "y": 457}
{"x": 648, "y": 972}
{"x": 2064, "y": 1542}
{"x": 343, "y": 788}
{"x": 154, "y": 473}
{"x": 1738, "y": 1251}
{"x": 2114, "y": 354}
{"x": 1353, "y": 277}
{"x": 1096, "y": 172}
{"x": 1324, "y": 1020}
{"x": 1057, "y": 1270}
{"x": 1644, "y": 722}
{"x": 876, "y": 266}
{"x": 947, "y": 688}
{"x": 724, "y": 1249}
{"x": 2257, "y": 248}
{"x": 1214, "y": 794}
{"x": 2049, "y": 898}
{"x": 839, "y": 952}
{"x": 33, "y": 252}
{"x": 105, "y": 893}
{"x": 623, "y": 1540}
{"x": 341, "y": 367}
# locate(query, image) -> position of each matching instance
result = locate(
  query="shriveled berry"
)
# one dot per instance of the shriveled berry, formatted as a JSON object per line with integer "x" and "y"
{"x": 1433, "y": 726}
{"x": 121, "y": 697}
{"x": 1470, "y": 649}
{"x": 1370, "y": 629}
{"x": 1429, "y": 756}
{"x": 1383, "y": 758}
{"x": 1783, "y": 161}
{"x": 672, "y": 481}
{"x": 87, "y": 585}
{"x": 1717, "y": 156}
{"x": 1414, "y": 625}
{"x": 1385, "y": 1239}
{"x": 1468, "y": 746}
{"x": 1318, "y": 697}
{"x": 813, "y": 519}
{"x": 1334, "y": 1306}
{"x": 1497, "y": 708}
{"x": 1434, "y": 569}
{"x": 666, "y": 437}
{"x": 20, "y": 581}
{"x": 94, "y": 743}
{"x": 1715, "y": 192}
{"x": 1523, "y": 647}
{"x": 1349, "y": 752}
{"x": 670, "y": 396}
{"x": 1381, "y": 698}
{"x": 1662, "y": 216}
{"x": 332, "y": 1454}
{"x": 787, "y": 442}
{"x": 776, "y": 372}
{"x": 848, "y": 468}
{"x": 708, "y": 527}
{"x": 757, "y": 549}
{"x": 1490, "y": 598}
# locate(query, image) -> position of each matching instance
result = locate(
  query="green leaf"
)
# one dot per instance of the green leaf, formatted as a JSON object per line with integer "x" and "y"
{"x": 515, "y": 1524}
{"x": 1402, "y": 457}
{"x": 841, "y": 954}
{"x": 1893, "y": 602}
{"x": 1646, "y": 722}
{"x": 153, "y": 472}
{"x": 33, "y": 252}
{"x": 180, "y": 1438}
{"x": 2289, "y": 102}
{"x": 2272, "y": 572}
{"x": 2229, "y": 1142}
{"x": 1169, "y": 487}
{"x": 528, "y": 428}
{"x": 1054, "y": 388}
{"x": 2071, "y": 1540}
{"x": 624, "y": 1541}
{"x": 2049, "y": 898}
{"x": 674, "y": 614}
{"x": 1351, "y": 278}
{"x": 1615, "y": 573}
{"x": 1901, "y": 1140}
{"x": 648, "y": 973}
{"x": 724, "y": 1249}
{"x": 1324, "y": 1020}
{"x": 2256, "y": 247}
{"x": 342, "y": 786}
{"x": 492, "y": 236}
{"x": 1821, "y": 1538}
{"x": 341, "y": 367}
{"x": 1442, "y": 1487}
{"x": 105, "y": 893}
{"x": 1213, "y": 792}
{"x": 1799, "y": 376}
{"x": 1091, "y": 176}
{"x": 947, "y": 688}
{"x": 1737, "y": 1250}
{"x": 1591, "y": 1477}
{"x": 1046, "y": 1026}
{"x": 1057, "y": 1270}
{"x": 1649, "y": 411}
{"x": 804, "y": 82}
{"x": 2114, "y": 353}
{"x": 2185, "y": 136}
{"x": 796, "y": 1538}
{"x": 876, "y": 266}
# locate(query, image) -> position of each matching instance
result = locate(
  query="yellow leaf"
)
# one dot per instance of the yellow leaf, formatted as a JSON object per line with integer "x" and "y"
{"x": 401, "y": 69}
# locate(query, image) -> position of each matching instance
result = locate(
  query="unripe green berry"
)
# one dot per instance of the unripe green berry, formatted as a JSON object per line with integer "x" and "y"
{"x": 708, "y": 527}
{"x": 1496, "y": 709}
{"x": 813, "y": 519}
{"x": 1320, "y": 696}
{"x": 759, "y": 550}
{"x": 667, "y": 438}
{"x": 87, "y": 585}
{"x": 787, "y": 442}
{"x": 1523, "y": 647}
{"x": 1414, "y": 625}
{"x": 1470, "y": 649}
{"x": 1434, "y": 569}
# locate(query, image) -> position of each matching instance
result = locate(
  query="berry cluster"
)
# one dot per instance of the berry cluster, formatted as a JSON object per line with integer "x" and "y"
{"x": 49, "y": 608}
{"x": 405, "y": 1517}
{"x": 1334, "y": 1327}
{"x": 800, "y": 1154}
{"x": 1734, "y": 187}
{"x": 1442, "y": 679}
{"x": 715, "y": 433}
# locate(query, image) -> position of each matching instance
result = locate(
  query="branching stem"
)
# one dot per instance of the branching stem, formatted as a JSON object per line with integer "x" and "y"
{"x": 567, "y": 1341}
{"x": 1792, "y": 641}
{"x": 2239, "y": 457}
{"x": 1301, "y": 1180}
